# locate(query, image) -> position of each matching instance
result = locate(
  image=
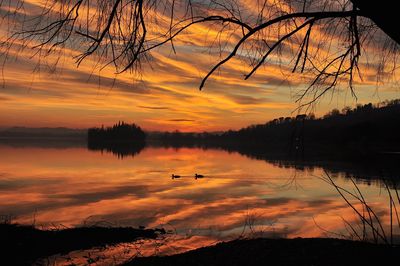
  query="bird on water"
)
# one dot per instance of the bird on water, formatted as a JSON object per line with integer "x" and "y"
{"x": 198, "y": 176}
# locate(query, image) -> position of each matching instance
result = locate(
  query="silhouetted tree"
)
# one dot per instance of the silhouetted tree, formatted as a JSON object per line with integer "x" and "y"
{"x": 326, "y": 38}
{"x": 121, "y": 139}
{"x": 120, "y": 132}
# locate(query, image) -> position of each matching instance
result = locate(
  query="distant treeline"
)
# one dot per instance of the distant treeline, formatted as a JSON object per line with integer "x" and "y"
{"x": 366, "y": 128}
{"x": 44, "y": 133}
{"x": 121, "y": 139}
{"x": 334, "y": 141}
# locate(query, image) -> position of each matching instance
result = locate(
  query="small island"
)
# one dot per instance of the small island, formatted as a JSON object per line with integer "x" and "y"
{"x": 122, "y": 139}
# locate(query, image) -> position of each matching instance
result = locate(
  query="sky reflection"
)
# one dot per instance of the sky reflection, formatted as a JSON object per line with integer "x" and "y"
{"x": 238, "y": 195}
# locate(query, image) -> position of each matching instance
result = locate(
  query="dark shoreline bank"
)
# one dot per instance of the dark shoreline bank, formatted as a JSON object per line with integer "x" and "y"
{"x": 24, "y": 244}
{"x": 288, "y": 252}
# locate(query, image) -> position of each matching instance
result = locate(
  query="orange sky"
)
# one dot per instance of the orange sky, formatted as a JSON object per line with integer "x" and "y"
{"x": 165, "y": 96}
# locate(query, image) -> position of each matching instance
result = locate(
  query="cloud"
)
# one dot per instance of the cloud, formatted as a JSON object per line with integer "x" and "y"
{"x": 4, "y": 98}
{"x": 181, "y": 120}
{"x": 138, "y": 191}
{"x": 246, "y": 100}
{"x": 154, "y": 107}
{"x": 7, "y": 184}
{"x": 66, "y": 200}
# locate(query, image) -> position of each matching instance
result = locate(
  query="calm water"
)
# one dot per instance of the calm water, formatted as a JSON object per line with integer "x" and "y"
{"x": 72, "y": 186}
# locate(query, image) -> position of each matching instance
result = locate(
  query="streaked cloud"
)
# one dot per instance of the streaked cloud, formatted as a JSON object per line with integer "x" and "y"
{"x": 181, "y": 120}
{"x": 154, "y": 107}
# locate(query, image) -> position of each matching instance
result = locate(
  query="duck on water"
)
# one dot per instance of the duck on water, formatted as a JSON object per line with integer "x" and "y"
{"x": 198, "y": 176}
{"x": 195, "y": 176}
{"x": 175, "y": 176}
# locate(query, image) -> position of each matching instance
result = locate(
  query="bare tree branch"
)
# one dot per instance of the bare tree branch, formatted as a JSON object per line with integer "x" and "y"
{"x": 125, "y": 32}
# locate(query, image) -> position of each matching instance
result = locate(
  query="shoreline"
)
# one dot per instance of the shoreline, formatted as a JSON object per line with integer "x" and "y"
{"x": 26, "y": 245}
{"x": 296, "y": 251}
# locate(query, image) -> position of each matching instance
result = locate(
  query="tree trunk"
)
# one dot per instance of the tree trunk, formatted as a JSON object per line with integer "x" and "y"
{"x": 384, "y": 13}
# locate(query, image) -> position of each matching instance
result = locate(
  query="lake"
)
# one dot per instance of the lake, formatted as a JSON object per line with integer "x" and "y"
{"x": 239, "y": 195}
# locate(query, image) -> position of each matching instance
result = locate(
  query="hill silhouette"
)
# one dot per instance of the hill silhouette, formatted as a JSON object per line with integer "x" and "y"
{"x": 363, "y": 130}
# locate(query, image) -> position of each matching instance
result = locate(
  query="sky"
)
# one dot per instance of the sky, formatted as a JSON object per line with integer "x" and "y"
{"x": 165, "y": 94}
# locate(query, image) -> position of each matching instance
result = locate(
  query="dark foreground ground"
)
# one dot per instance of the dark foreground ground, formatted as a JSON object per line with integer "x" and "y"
{"x": 311, "y": 251}
{"x": 23, "y": 245}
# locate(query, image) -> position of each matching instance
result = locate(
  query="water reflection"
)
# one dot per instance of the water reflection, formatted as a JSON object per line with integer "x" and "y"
{"x": 238, "y": 194}
{"x": 120, "y": 150}
{"x": 369, "y": 168}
